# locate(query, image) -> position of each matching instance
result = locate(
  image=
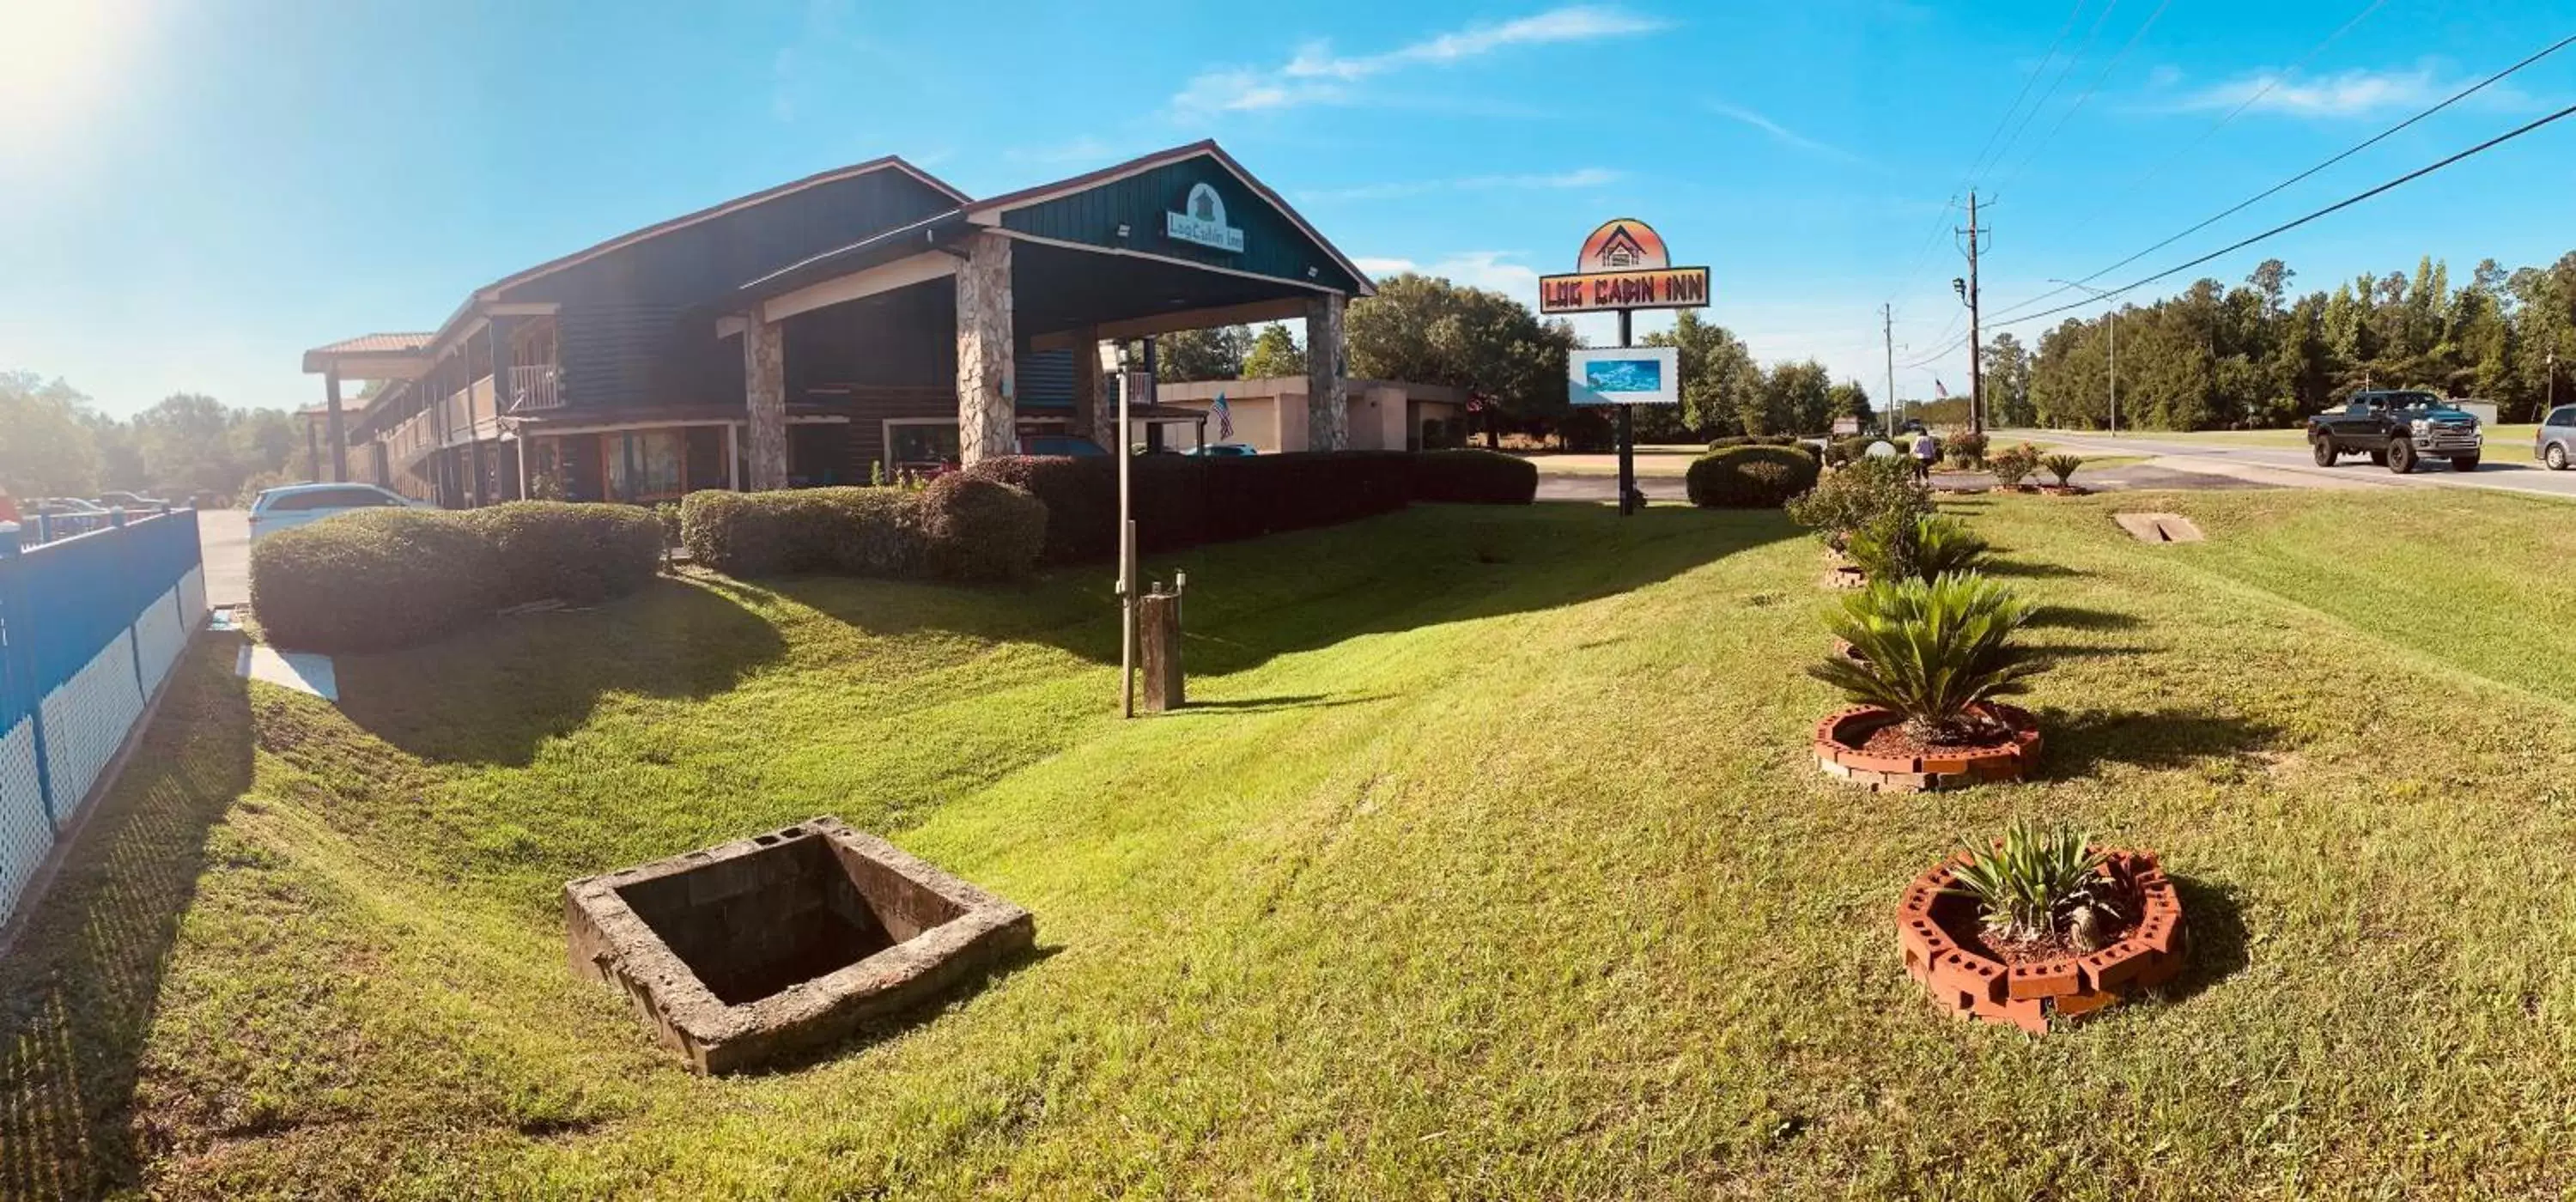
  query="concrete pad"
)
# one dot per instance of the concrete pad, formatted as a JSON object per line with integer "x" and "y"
{"x": 302, "y": 671}
{"x": 2159, "y": 527}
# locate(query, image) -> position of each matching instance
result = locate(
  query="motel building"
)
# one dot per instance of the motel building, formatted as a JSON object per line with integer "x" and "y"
{"x": 867, "y": 316}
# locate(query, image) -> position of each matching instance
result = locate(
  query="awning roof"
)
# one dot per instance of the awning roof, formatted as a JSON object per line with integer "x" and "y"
{"x": 354, "y": 357}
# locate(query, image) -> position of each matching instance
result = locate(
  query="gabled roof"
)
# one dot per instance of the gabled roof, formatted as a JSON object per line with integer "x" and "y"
{"x": 364, "y": 346}
{"x": 987, "y": 212}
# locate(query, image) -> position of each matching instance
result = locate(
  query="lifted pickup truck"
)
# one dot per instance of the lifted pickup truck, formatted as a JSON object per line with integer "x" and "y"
{"x": 2397, "y": 429}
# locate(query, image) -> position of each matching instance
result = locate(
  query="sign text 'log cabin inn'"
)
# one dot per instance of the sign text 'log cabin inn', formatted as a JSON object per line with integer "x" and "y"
{"x": 1203, "y": 222}
{"x": 1623, "y": 266}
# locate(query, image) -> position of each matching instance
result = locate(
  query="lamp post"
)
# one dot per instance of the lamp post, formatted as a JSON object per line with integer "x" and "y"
{"x": 2114, "y": 318}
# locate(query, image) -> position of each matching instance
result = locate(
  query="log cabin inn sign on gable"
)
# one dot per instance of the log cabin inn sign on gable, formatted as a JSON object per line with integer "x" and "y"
{"x": 1623, "y": 266}
{"x": 1202, "y": 222}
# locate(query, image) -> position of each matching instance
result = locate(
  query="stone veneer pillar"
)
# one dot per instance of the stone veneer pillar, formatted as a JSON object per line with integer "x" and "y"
{"x": 764, "y": 386}
{"x": 1086, "y": 381}
{"x": 984, "y": 396}
{"x": 1327, "y": 411}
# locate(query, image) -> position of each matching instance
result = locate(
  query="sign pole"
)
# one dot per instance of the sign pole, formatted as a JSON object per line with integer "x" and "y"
{"x": 1627, "y": 439}
{"x": 1131, "y": 385}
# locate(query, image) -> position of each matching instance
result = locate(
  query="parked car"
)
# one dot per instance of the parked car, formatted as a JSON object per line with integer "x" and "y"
{"x": 2555, "y": 442}
{"x": 295, "y": 505}
{"x": 2397, "y": 428}
{"x": 65, "y": 507}
{"x": 1224, "y": 450}
{"x": 130, "y": 501}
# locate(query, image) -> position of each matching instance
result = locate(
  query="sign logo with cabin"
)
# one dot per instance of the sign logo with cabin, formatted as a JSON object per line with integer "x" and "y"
{"x": 1623, "y": 265}
{"x": 1202, "y": 222}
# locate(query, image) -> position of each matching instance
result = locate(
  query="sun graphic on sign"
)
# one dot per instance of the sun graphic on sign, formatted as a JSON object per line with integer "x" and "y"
{"x": 1623, "y": 244}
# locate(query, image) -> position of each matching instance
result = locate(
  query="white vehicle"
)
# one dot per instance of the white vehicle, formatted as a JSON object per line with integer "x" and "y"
{"x": 300, "y": 504}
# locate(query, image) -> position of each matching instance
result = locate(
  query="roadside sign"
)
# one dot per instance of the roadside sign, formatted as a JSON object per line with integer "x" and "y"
{"x": 1647, "y": 375}
{"x": 1623, "y": 265}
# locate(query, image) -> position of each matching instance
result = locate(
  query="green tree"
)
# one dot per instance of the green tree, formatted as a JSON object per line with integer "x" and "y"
{"x": 1188, "y": 356}
{"x": 187, "y": 445}
{"x": 1274, "y": 353}
{"x": 1796, "y": 398}
{"x": 1849, "y": 399}
{"x": 1427, "y": 330}
{"x": 2007, "y": 382}
{"x": 1719, "y": 377}
{"x": 46, "y": 448}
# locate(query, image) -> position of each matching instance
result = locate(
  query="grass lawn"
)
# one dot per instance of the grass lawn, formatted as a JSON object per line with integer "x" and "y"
{"x": 1493, "y": 865}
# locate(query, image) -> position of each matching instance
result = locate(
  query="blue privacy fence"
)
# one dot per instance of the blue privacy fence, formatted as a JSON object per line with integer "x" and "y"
{"x": 89, "y": 626}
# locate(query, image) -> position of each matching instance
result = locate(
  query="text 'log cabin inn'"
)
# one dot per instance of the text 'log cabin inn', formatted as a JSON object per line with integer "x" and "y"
{"x": 808, "y": 334}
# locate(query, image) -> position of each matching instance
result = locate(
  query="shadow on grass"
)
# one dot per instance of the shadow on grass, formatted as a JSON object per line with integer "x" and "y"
{"x": 2214, "y": 927}
{"x": 79, "y": 988}
{"x": 2083, "y": 740}
{"x": 493, "y": 693}
{"x": 2076, "y": 617}
{"x": 1251, "y": 601}
{"x": 1293, "y": 701}
{"x": 2027, "y": 569}
{"x": 878, "y": 1032}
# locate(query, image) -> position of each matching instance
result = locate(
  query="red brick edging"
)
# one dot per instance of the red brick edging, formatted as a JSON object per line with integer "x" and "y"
{"x": 1967, "y": 984}
{"x": 1840, "y": 734}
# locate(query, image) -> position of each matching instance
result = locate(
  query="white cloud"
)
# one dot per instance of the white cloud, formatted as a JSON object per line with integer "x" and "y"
{"x": 1582, "y": 177}
{"x": 2359, "y": 92}
{"x": 1316, "y": 75}
{"x": 1779, "y": 132}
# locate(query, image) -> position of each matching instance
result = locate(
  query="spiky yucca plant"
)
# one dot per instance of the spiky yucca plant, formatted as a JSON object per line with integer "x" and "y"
{"x": 1925, "y": 546}
{"x": 2062, "y": 466}
{"x": 1928, "y": 650}
{"x": 2035, "y": 882}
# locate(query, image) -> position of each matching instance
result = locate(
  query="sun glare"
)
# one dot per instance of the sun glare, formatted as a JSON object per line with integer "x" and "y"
{"x": 57, "y": 57}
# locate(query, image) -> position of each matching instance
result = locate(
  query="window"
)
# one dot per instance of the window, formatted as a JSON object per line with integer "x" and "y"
{"x": 921, "y": 441}
{"x": 644, "y": 465}
{"x": 2564, "y": 415}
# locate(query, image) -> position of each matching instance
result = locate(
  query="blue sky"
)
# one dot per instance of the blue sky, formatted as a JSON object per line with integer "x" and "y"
{"x": 191, "y": 193}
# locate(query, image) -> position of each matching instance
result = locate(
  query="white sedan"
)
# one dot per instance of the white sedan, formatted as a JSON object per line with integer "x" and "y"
{"x": 299, "y": 504}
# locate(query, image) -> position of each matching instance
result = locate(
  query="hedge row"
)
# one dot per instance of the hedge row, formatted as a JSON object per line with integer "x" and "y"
{"x": 1751, "y": 476}
{"x": 382, "y": 578}
{"x": 1183, "y": 501}
{"x": 961, "y": 527}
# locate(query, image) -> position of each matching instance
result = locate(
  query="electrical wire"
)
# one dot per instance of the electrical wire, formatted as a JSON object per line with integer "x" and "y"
{"x": 2095, "y": 86}
{"x": 2240, "y": 206}
{"x": 2062, "y": 72}
{"x": 2287, "y": 226}
{"x": 1978, "y": 164}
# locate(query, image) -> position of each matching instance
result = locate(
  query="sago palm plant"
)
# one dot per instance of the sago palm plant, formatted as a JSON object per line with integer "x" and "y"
{"x": 2037, "y": 883}
{"x": 1928, "y": 650}
{"x": 1925, "y": 546}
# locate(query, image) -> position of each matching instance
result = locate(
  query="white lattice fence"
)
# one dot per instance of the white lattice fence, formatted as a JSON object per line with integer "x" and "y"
{"x": 158, "y": 639}
{"x": 85, "y": 722}
{"x": 25, "y": 836}
{"x": 192, "y": 599}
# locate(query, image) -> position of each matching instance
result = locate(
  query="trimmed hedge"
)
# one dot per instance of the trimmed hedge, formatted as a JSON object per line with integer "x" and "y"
{"x": 1474, "y": 478}
{"x": 579, "y": 553}
{"x": 980, "y": 529}
{"x": 1183, "y": 501}
{"x": 372, "y": 579}
{"x": 381, "y": 578}
{"x": 855, "y": 531}
{"x": 1750, "y": 477}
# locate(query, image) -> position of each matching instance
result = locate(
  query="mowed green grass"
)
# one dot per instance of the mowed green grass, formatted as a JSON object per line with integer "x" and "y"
{"x": 1494, "y": 865}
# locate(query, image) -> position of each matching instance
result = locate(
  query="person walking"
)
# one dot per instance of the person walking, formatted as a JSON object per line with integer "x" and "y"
{"x": 1927, "y": 451}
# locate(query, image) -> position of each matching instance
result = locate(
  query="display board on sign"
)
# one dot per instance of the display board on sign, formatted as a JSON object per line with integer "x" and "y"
{"x": 1623, "y": 265}
{"x": 1645, "y": 375}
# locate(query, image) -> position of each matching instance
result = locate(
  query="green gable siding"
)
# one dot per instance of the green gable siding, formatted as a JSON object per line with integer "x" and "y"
{"x": 1272, "y": 244}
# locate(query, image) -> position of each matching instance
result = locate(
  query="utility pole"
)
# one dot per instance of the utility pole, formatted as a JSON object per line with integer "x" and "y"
{"x": 1976, "y": 352}
{"x": 1887, "y": 330}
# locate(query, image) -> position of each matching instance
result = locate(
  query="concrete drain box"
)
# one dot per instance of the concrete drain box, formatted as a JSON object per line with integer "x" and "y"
{"x": 785, "y": 941}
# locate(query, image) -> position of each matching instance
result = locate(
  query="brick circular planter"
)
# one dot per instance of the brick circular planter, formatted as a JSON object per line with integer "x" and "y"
{"x": 1840, "y": 736}
{"x": 1968, "y": 984}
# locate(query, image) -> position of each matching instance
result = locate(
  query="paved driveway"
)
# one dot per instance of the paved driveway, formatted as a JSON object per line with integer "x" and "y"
{"x": 2507, "y": 466}
{"x": 223, "y": 537}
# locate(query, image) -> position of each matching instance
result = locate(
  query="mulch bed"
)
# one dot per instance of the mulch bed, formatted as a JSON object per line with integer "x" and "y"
{"x": 1894, "y": 741}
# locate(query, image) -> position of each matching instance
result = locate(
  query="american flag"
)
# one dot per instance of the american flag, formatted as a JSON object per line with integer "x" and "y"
{"x": 1940, "y": 389}
{"x": 1224, "y": 418}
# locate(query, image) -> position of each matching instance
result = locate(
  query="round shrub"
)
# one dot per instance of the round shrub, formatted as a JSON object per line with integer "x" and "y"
{"x": 1474, "y": 478}
{"x": 856, "y": 531}
{"x": 1080, "y": 495}
{"x": 579, "y": 552}
{"x": 1750, "y": 477}
{"x": 372, "y": 579}
{"x": 977, "y": 529}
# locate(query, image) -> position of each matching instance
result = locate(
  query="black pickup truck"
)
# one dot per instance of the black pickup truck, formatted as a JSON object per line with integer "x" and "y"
{"x": 2397, "y": 429}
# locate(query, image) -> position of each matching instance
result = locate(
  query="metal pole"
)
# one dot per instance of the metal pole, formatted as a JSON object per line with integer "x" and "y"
{"x": 1133, "y": 386}
{"x": 1887, "y": 329}
{"x": 1627, "y": 462}
{"x": 2115, "y": 373}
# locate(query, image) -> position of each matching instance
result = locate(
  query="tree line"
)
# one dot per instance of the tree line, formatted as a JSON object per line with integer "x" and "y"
{"x": 1427, "y": 330}
{"x": 54, "y": 442}
{"x": 2255, "y": 355}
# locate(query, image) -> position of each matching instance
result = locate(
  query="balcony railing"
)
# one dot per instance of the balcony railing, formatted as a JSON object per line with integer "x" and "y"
{"x": 535, "y": 388}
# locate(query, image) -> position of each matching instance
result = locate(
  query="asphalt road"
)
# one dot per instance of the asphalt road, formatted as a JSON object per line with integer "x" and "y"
{"x": 2504, "y": 467}
{"x": 223, "y": 537}
{"x": 2157, "y": 475}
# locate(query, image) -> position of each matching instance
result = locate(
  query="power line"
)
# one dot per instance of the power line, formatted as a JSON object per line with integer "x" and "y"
{"x": 2090, "y": 89}
{"x": 2287, "y": 226}
{"x": 1978, "y": 163}
{"x": 2275, "y": 189}
{"x": 2054, "y": 84}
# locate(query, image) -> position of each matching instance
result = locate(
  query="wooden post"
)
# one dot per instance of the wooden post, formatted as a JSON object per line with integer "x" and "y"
{"x": 1158, "y": 629}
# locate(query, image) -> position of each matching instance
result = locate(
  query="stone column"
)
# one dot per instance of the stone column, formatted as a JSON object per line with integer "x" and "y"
{"x": 331, "y": 418}
{"x": 1086, "y": 381}
{"x": 1327, "y": 412}
{"x": 984, "y": 394}
{"x": 764, "y": 388}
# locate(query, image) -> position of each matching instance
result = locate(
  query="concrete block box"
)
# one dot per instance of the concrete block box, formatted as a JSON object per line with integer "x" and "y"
{"x": 785, "y": 941}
